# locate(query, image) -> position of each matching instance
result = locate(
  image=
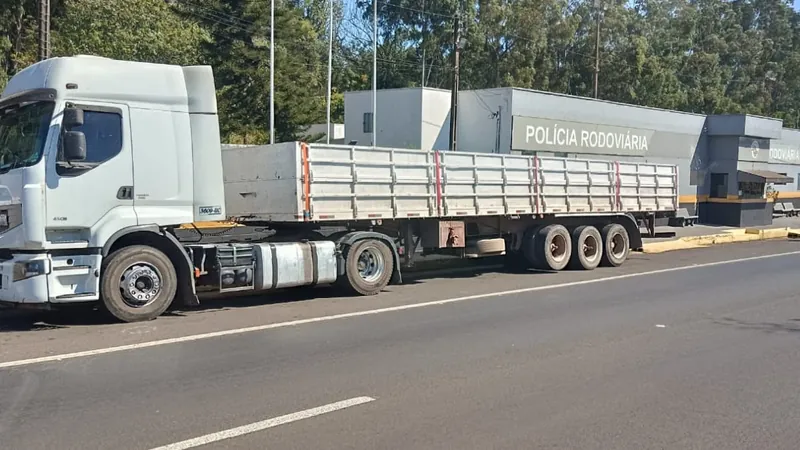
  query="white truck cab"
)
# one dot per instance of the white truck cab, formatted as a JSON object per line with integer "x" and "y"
{"x": 92, "y": 151}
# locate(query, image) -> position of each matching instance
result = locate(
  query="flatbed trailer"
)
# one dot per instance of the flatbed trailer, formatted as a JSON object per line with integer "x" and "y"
{"x": 151, "y": 133}
{"x": 548, "y": 213}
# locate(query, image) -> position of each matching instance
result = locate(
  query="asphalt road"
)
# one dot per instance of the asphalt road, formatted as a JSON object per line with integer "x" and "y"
{"x": 657, "y": 355}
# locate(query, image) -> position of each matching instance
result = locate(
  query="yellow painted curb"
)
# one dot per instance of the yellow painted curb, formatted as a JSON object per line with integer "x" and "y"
{"x": 772, "y": 233}
{"x": 207, "y": 225}
{"x": 727, "y": 237}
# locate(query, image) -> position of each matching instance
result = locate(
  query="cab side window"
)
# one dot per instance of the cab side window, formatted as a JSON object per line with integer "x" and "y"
{"x": 103, "y": 130}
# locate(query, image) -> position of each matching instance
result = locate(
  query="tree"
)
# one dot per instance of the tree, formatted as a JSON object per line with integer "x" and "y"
{"x": 705, "y": 56}
{"x": 138, "y": 30}
{"x": 239, "y": 52}
{"x": 17, "y": 37}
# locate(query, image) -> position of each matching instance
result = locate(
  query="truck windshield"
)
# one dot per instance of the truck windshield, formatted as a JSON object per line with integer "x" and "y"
{"x": 23, "y": 132}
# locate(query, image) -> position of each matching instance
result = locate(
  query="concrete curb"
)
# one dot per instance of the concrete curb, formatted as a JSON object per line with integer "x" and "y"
{"x": 726, "y": 237}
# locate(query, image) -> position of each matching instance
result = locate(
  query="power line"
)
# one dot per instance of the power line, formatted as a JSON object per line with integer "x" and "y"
{"x": 429, "y": 13}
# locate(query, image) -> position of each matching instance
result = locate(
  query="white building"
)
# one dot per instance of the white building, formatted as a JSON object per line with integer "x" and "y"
{"x": 416, "y": 118}
{"x": 318, "y": 130}
{"x": 720, "y": 157}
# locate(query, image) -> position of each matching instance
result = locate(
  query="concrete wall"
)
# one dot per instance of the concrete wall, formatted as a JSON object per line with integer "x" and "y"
{"x": 676, "y": 134}
{"x": 320, "y": 129}
{"x": 784, "y": 157}
{"x": 399, "y": 117}
{"x": 435, "y": 119}
{"x": 671, "y": 137}
{"x": 478, "y": 115}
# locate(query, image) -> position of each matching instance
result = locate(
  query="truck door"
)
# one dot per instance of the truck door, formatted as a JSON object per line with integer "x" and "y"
{"x": 90, "y": 200}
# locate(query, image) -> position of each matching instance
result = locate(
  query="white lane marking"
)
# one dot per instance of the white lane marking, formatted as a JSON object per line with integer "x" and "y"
{"x": 215, "y": 334}
{"x": 265, "y": 424}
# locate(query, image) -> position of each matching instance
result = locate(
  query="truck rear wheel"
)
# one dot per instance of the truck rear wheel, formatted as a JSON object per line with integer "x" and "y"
{"x": 587, "y": 248}
{"x": 616, "y": 245}
{"x": 137, "y": 283}
{"x": 553, "y": 247}
{"x": 369, "y": 265}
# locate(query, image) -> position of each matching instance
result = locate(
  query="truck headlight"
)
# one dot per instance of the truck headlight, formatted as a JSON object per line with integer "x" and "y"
{"x": 28, "y": 269}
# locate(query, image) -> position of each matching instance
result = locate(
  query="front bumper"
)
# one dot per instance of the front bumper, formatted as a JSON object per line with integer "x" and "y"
{"x": 28, "y": 291}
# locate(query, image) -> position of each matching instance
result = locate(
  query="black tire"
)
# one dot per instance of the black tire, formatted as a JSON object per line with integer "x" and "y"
{"x": 369, "y": 265}
{"x": 616, "y": 245}
{"x": 587, "y": 248}
{"x": 553, "y": 248}
{"x": 151, "y": 279}
{"x": 528, "y": 247}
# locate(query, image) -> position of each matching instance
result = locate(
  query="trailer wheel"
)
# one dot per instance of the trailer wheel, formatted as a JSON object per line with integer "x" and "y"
{"x": 553, "y": 247}
{"x": 616, "y": 245}
{"x": 137, "y": 283}
{"x": 587, "y": 248}
{"x": 369, "y": 266}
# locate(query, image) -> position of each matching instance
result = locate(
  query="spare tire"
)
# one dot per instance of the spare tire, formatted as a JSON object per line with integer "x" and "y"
{"x": 587, "y": 248}
{"x": 490, "y": 247}
{"x": 553, "y": 248}
{"x": 616, "y": 245}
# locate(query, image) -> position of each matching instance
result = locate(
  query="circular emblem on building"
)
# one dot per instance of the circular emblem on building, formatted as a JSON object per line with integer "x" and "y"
{"x": 754, "y": 149}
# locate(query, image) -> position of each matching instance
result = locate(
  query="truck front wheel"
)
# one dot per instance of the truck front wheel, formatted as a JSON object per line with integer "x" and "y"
{"x": 369, "y": 265}
{"x": 137, "y": 283}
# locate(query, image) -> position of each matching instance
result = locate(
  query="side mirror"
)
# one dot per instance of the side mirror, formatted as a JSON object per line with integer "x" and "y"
{"x": 73, "y": 117}
{"x": 74, "y": 146}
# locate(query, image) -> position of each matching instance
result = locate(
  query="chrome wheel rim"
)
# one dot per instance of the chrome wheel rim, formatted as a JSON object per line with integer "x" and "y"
{"x": 140, "y": 285}
{"x": 371, "y": 265}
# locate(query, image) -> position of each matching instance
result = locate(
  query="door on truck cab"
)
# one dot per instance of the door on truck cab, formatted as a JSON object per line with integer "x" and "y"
{"x": 88, "y": 201}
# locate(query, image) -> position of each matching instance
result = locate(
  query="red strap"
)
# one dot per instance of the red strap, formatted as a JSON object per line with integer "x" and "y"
{"x": 618, "y": 199}
{"x": 306, "y": 182}
{"x": 536, "y": 181}
{"x": 438, "y": 184}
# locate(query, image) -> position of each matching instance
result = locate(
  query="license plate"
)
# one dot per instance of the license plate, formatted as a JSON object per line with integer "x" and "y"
{"x": 4, "y": 219}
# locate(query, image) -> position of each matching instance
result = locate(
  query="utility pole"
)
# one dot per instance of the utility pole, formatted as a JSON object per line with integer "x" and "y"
{"x": 597, "y": 47}
{"x": 272, "y": 72}
{"x": 330, "y": 67}
{"x": 422, "y": 42}
{"x": 44, "y": 29}
{"x": 374, "y": 73}
{"x": 454, "y": 91}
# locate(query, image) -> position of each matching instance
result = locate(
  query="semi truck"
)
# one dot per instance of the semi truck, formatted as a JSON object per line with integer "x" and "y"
{"x": 102, "y": 162}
